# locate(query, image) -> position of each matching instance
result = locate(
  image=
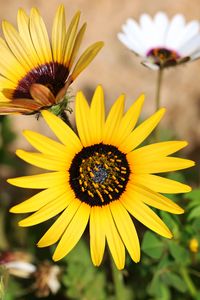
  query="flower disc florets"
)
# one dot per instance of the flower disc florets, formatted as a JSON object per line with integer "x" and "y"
{"x": 99, "y": 174}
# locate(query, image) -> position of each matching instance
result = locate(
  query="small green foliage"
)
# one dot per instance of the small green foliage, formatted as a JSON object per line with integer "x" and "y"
{"x": 152, "y": 245}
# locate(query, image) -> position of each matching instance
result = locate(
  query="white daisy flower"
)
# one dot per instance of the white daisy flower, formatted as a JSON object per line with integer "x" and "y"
{"x": 162, "y": 42}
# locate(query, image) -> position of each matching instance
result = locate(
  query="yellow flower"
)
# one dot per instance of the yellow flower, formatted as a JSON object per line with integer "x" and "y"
{"x": 102, "y": 177}
{"x": 34, "y": 72}
{"x": 194, "y": 245}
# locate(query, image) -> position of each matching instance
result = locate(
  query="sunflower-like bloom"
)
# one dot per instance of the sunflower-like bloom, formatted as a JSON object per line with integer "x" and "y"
{"x": 36, "y": 73}
{"x": 162, "y": 42}
{"x": 102, "y": 177}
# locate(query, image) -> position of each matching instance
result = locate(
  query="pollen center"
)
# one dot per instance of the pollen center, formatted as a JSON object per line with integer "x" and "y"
{"x": 163, "y": 57}
{"x": 99, "y": 174}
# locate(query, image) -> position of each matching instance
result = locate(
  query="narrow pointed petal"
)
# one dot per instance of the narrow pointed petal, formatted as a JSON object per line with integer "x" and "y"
{"x": 115, "y": 243}
{"x": 77, "y": 45}
{"x": 44, "y": 161}
{"x": 39, "y": 200}
{"x": 160, "y": 165}
{"x": 86, "y": 58}
{"x": 113, "y": 121}
{"x": 97, "y": 236}
{"x": 145, "y": 215}
{"x": 130, "y": 119}
{"x": 40, "y": 37}
{"x": 126, "y": 229}
{"x": 73, "y": 232}
{"x": 154, "y": 199}
{"x": 83, "y": 120}
{"x": 160, "y": 184}
{"x": 44, "y": 144}
{"x": 42, "y": 94}
{"x": 141, "y": 132}
{"x": 58, "y": 34}
{"x": 154, "y": 151}
{"x": 97, "y": 115}
{"x": 65, "y": 134}
{"x": 54, "y": 233}
{"x": 50, "y": 210}
{"x": 70, "y": 38}
{"x": 41, "y": 181}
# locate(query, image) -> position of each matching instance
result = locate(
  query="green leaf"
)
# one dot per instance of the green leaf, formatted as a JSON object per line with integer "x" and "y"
{"x": 195, "y": 213}
{"x": 179, "y": 253}
{"x": 193, "y": 195}
{"x": 172, "y": 279}
{"x": 152, "y": 245}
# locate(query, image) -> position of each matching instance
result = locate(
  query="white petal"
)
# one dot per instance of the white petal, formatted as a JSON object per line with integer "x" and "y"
{"x": 161, "y": 23}
{"x": 175, "y": 28}
{"x": 130, "y": 43}
{"x": 148, "y": 33}
{"x": 189, "y": 31}
{"x": 190, "y": 47}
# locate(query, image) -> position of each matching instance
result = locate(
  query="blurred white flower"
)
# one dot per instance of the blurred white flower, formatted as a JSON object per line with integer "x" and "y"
{"x": 162, "y": 42}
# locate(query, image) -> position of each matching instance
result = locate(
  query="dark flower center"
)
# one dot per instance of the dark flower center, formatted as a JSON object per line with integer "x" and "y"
{"x": 99, "y": 174}
{"x": 53, "y": 75}
{"x": 163, "y": 57}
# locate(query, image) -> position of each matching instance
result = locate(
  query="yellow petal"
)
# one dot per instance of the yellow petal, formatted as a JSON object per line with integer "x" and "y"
{"x": 160, "y": 165}
{"x": 17, "y": 46}
{"x": 65, "y": 134}
{"x": 151, "y": 152}
{"x": 130, "y": 119}
{"x": 145, "y": 215}
{"x": 39, "y": 200}
{"x": 40, "y": 37}
{"x": 126, "y": 229}
{"x": 97, "y": 115}
{"x": 77, "y": 45}
{"x": 113, "y": 120}
{"x": 58, "y": 34}
{"x": 97, "y": 236}
{"x": 86, "y": 58}
{"x": 59, "y": 226}
{"x": 141, "y": 132}
{"x": 114, "y": 241}
{"x": 154, "y": 199}
{"x": 44, "y": 144}
{"x": 160, "y": 184}
{"x": 50, "y": 210}
{"x": 41, "y": 181}
{"x": 83, "y": 120}
{"x": 23, "y": 27}
{"x": 70, "y": 38}
{"x": 9, "y": 66}
{"x": 45, "y": 161}
{"x": 73, "y": 232}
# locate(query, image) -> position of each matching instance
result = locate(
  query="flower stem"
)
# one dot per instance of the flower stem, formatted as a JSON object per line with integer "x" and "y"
{"x": 118, "y": 282}
{"x": 186, "y": 277}
{"x": 157, "y": 97}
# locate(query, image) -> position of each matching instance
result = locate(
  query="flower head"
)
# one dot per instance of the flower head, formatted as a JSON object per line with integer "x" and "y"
{"x": 160, "y": 42}
{"x": 36, "y": 73}
{"x": 102, "y": 177}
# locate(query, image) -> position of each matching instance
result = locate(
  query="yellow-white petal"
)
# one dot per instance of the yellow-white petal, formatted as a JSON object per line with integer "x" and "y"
{"x": 58, "y": 34}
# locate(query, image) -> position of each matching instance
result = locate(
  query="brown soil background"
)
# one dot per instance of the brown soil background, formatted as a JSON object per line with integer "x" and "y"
{"x": 119, "y": 70}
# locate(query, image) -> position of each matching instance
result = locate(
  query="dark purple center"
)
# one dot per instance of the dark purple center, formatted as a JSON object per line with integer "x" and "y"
{"x": 163, "y": 57}
{"x": 53, "y": 75}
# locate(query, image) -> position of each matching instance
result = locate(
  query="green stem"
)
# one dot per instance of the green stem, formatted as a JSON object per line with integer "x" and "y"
{"x": 186, "y": 277}
{"x": 157, "y": 97}
{"x": 118, "y": 282}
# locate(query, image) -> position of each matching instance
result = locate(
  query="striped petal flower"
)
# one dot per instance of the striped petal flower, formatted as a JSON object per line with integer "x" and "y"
{"x": 98, "y": 176}
{"x": 36, "y": 71}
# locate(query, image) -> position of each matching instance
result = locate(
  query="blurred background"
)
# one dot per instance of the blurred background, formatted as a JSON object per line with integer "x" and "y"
{"x": 119, "y": 71}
